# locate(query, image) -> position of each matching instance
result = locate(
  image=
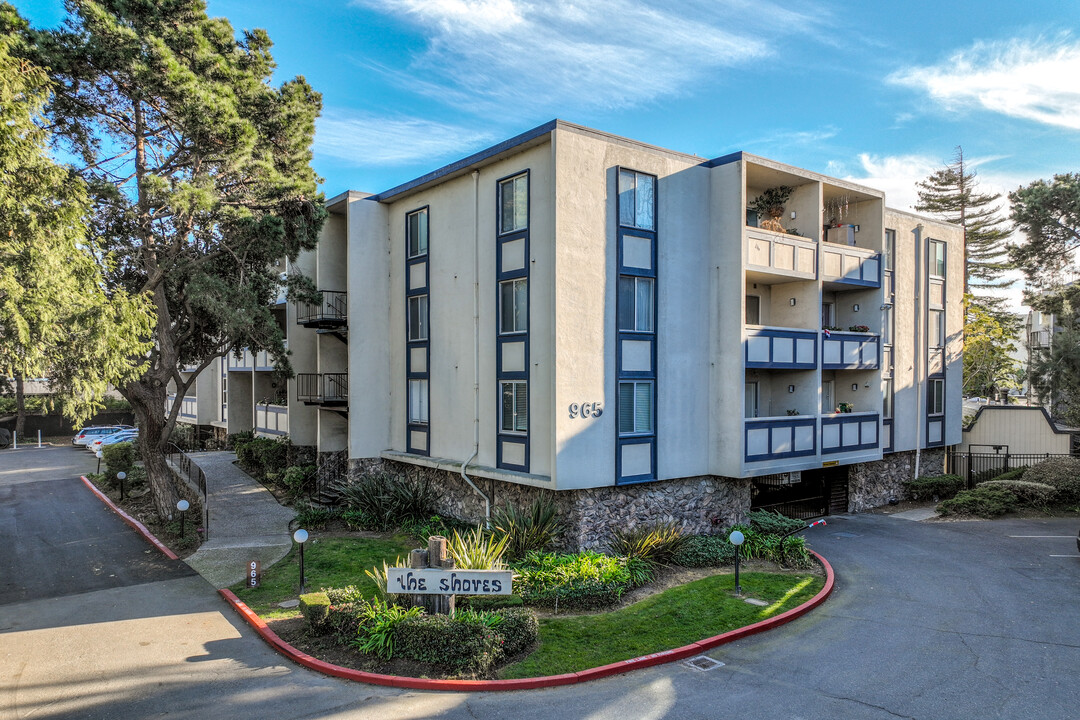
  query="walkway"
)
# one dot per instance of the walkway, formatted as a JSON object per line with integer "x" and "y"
{"x": 246, "y": 522}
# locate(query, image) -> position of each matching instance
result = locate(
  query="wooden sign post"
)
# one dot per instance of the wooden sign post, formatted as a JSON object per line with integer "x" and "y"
{"x": 432, "y": 580}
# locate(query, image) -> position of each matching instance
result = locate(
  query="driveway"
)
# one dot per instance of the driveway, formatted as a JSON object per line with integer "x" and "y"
{"x": 928, "y": 620}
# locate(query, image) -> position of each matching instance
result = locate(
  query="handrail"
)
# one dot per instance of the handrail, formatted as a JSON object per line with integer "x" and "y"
{"x": 194, "y": 474}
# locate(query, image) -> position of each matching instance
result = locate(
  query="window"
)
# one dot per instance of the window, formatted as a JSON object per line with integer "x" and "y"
{"x": 887, "y": 399}
{"x": 937, "y": 258}
{"x": 514, "y": 204}
{"x": 935, "y": 328}
{"x": 890, "y": 249}
{"x": 417, "y": 231}
{"x": 827, "y": 315}
{"x": 224, "y": 390}
{"x": 750, "y": 398}
{"x": 635, "y": 303}
{"x": 514, "y": 306}
{"x": 418, "y": 401}
{"x": 936, "y": 403}
{"x": 887, "y": 326}
{"x": 418, "y": 317}
{"x": 635, "y": 407}
{"x": 637, "y": 194}
{"x": 753, "y": 310}
{"x": 515, "y": 407}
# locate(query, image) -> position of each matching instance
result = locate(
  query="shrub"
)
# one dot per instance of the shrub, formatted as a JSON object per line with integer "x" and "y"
{"x": 939, "y": 486}
{"x": 245, "y": 451}
{"x": 476, "y": 550}
{"x": 343, "y": 622}
{"x": 585, "y": 580}
{"x": 468, "y": 642}
{"x": 297, "y": 479}
{"x": 983, "y": 501}
{"x": 519, "y": 629}
{"x": 1014, "y": 474}
{"x": 790, "y": 551}
{"x": 119, "y": 458}
{"x": 1028, "y": 494}
{"x": 529, "y": 530}
{"x": 377, "y": 622}
{"x": 385, "y": 502}
{"x": 488, "y": 602}
{"x": 423, "y": 528}
{"x": 344, "y": 595}
{"x": 1062, "y": 474}
{"x": 271, "y": 456}
{"x": 655, "y": 543}
{"x": 313, "y": 517}
{"x": 379, "y": 578}
{"x": 774, "y": 523}
{"x": 315, "y": 607}
{"x": 705, "y": 551}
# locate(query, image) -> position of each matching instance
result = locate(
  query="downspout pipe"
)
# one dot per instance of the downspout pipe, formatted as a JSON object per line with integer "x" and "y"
{"x": 476, "y": 350}
{"x": 920, "y": 346}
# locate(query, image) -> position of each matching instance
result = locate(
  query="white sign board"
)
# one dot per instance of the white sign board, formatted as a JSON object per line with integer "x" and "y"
{"x": 432, "y": 581}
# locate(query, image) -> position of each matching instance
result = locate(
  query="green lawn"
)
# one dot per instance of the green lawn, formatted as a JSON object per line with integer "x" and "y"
{"x": 328, "y": 562}
{"x": 671, "y": 619}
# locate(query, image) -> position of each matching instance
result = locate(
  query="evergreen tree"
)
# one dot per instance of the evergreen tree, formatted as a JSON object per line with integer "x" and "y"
{"x": 952, "y": 194}
{"x": 200, "y": 175}
{"x": 989, "y": 367}
{"x": 1048, "y": 213}
{"x": 57, "y": 318}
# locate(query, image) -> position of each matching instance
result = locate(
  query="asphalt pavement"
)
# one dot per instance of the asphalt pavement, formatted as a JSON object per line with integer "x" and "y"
{"x": 928, "y": 620}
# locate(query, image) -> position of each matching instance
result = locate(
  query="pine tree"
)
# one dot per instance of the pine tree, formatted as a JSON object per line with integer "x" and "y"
{"x": 1048, "y": 213}
{"x": 201, "y": 179}
{"x": 952, "y": 194}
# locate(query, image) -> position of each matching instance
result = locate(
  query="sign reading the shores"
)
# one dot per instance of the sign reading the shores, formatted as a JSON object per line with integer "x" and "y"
{"x": 433, "y": 581}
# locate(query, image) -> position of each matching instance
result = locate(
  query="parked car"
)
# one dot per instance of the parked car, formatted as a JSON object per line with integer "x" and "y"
{"x": 122, "y": 436}
{"x": 89, "y": 434}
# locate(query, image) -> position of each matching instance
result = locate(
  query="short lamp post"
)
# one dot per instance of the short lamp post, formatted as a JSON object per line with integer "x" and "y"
{"x": 182, "y": 506}
{"x": 301, "y": 536}
{"x": 737, "y": 539}
{"x": 99, "y": 456}
{"x": 121, "y": 476}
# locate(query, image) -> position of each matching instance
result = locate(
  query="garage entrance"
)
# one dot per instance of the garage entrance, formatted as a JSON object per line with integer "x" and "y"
{"x": 803, "y": 495}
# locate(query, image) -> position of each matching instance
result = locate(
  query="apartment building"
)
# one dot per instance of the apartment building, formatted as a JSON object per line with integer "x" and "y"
{"x": 583, "y": 314}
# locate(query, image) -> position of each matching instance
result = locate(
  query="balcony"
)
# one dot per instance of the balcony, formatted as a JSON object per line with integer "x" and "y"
{"x": 331, "y": 314}
{"x": 774, "y": 438}
{"x": 781, "y": 348}
{"x": 844, "y": 432}
{"x": 325, "y": 389}
{"x": 245, "y": 361}
{"x": 189, "y": 406}
{"x": 850, "y": 266}
{"x": 850, "y": 351}
{"x": 784, "y": 256}
{"x": 272, "y": 419}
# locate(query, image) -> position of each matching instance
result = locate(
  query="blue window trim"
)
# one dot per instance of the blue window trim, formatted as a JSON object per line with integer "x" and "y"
{"x": 621, "y": 269}
{"x": 841, "y": 420}
{"x": 501, "y": 338}
{"x": 772, "y": 335}
{"x": 410, "y": 373}
{"x": 888, "y": 422}
{"x": 770, "y": 425}
{"x": 938, "y": 417}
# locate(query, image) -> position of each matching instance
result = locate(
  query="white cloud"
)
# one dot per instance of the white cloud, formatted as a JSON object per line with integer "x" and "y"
{"x": 367, "y": 139}
{"x": 516, "y": 54}
{"x": 1033, "y": 79}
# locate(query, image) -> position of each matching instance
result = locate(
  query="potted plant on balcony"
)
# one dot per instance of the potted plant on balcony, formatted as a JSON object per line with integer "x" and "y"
{"x": 770, "y": 204}
{"x": 859, "y": 328}
{"x": 844, "y": 407}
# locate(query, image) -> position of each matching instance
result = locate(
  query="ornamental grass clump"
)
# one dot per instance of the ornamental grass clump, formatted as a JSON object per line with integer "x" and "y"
{"x": 477, "y": 550}
{"x": 384, "y": 502}
{"x": 377, "y": 621}
{"x": 534, "y": 529}
{"x": 656, "y": 544}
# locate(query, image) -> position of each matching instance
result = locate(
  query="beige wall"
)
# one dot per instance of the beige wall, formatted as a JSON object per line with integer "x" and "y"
{"x": 1023, "y": 430}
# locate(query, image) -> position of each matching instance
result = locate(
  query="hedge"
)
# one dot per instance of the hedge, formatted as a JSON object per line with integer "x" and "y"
{"x": 939, "y": 486}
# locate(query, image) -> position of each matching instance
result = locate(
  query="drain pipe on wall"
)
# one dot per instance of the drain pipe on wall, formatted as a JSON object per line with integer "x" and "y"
{"x": 920, "y": 268}
{"x": 476, "y": 349}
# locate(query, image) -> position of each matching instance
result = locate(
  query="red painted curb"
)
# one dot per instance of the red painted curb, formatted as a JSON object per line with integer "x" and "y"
{"x": 624, "y": 666}
{"x": 139, "y": 527}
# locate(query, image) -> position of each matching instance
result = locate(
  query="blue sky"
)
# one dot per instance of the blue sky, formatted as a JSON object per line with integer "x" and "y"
{"x": 876, "y": 92}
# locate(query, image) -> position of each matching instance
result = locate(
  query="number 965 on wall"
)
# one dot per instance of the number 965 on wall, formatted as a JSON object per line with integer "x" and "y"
{"x": 586, "y": 410}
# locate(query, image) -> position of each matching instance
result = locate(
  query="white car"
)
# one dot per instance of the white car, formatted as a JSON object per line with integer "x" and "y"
{"x": 87, "y": 435}
{"x": 102, "y": 442}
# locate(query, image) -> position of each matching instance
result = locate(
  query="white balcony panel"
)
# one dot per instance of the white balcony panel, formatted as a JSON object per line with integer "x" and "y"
{"x": 757, "y": 348}
{"x": 851, "y": 352}
{"x": 830, "y": 436}
{"x": 849, "y": 434}
{"x": 869, "y": 432}
{"x": 781, "y": 440}
{"x": 783, "y": 350}
{"x": 832, "y": 351}
{"x": 804, "y": 350}
{"x": 804, "y": 437}
{"x": 757, "y": 441}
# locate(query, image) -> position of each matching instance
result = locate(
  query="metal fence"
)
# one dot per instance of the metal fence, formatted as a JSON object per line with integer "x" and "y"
{"x": 194, "y": 475}
{"x": 979, "y": 467}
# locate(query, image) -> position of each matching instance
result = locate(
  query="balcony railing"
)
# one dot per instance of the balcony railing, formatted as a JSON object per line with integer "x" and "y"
{"x": 788, "y": 255}
{"x": 189, "y": 406}
{"x": 329, "y": 389}
{"x": 775, "y": 438}
{"x": 272, "y": 419}
{"x": 246, "y": 361}
{"x": 333, "y": 312}
{"x": 850, "y": 351}
{"x": 781, "y": 348}
{"x": 849, "y": 431}
{"x": 850, "y": 265}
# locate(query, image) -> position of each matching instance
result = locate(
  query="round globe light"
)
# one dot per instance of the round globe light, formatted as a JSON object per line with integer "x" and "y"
{"x": 300, "y": 536}
{"x": 99, "y": 454}
{"x": 183, "y": 505}
{"x": 736, "y": 537}
{"x": 121, "y": 475}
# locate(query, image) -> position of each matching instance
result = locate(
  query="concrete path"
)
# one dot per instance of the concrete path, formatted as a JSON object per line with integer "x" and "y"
{"x": 246, "y": 522}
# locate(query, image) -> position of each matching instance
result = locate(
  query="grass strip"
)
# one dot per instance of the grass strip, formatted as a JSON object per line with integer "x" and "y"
{"x": 676, "y": 617}
{"x": 328, "y": 562}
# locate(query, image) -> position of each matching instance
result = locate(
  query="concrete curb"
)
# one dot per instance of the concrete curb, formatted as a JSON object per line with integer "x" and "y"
{"x": 139, "y": 527}
{"x": 624, "y": 666}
